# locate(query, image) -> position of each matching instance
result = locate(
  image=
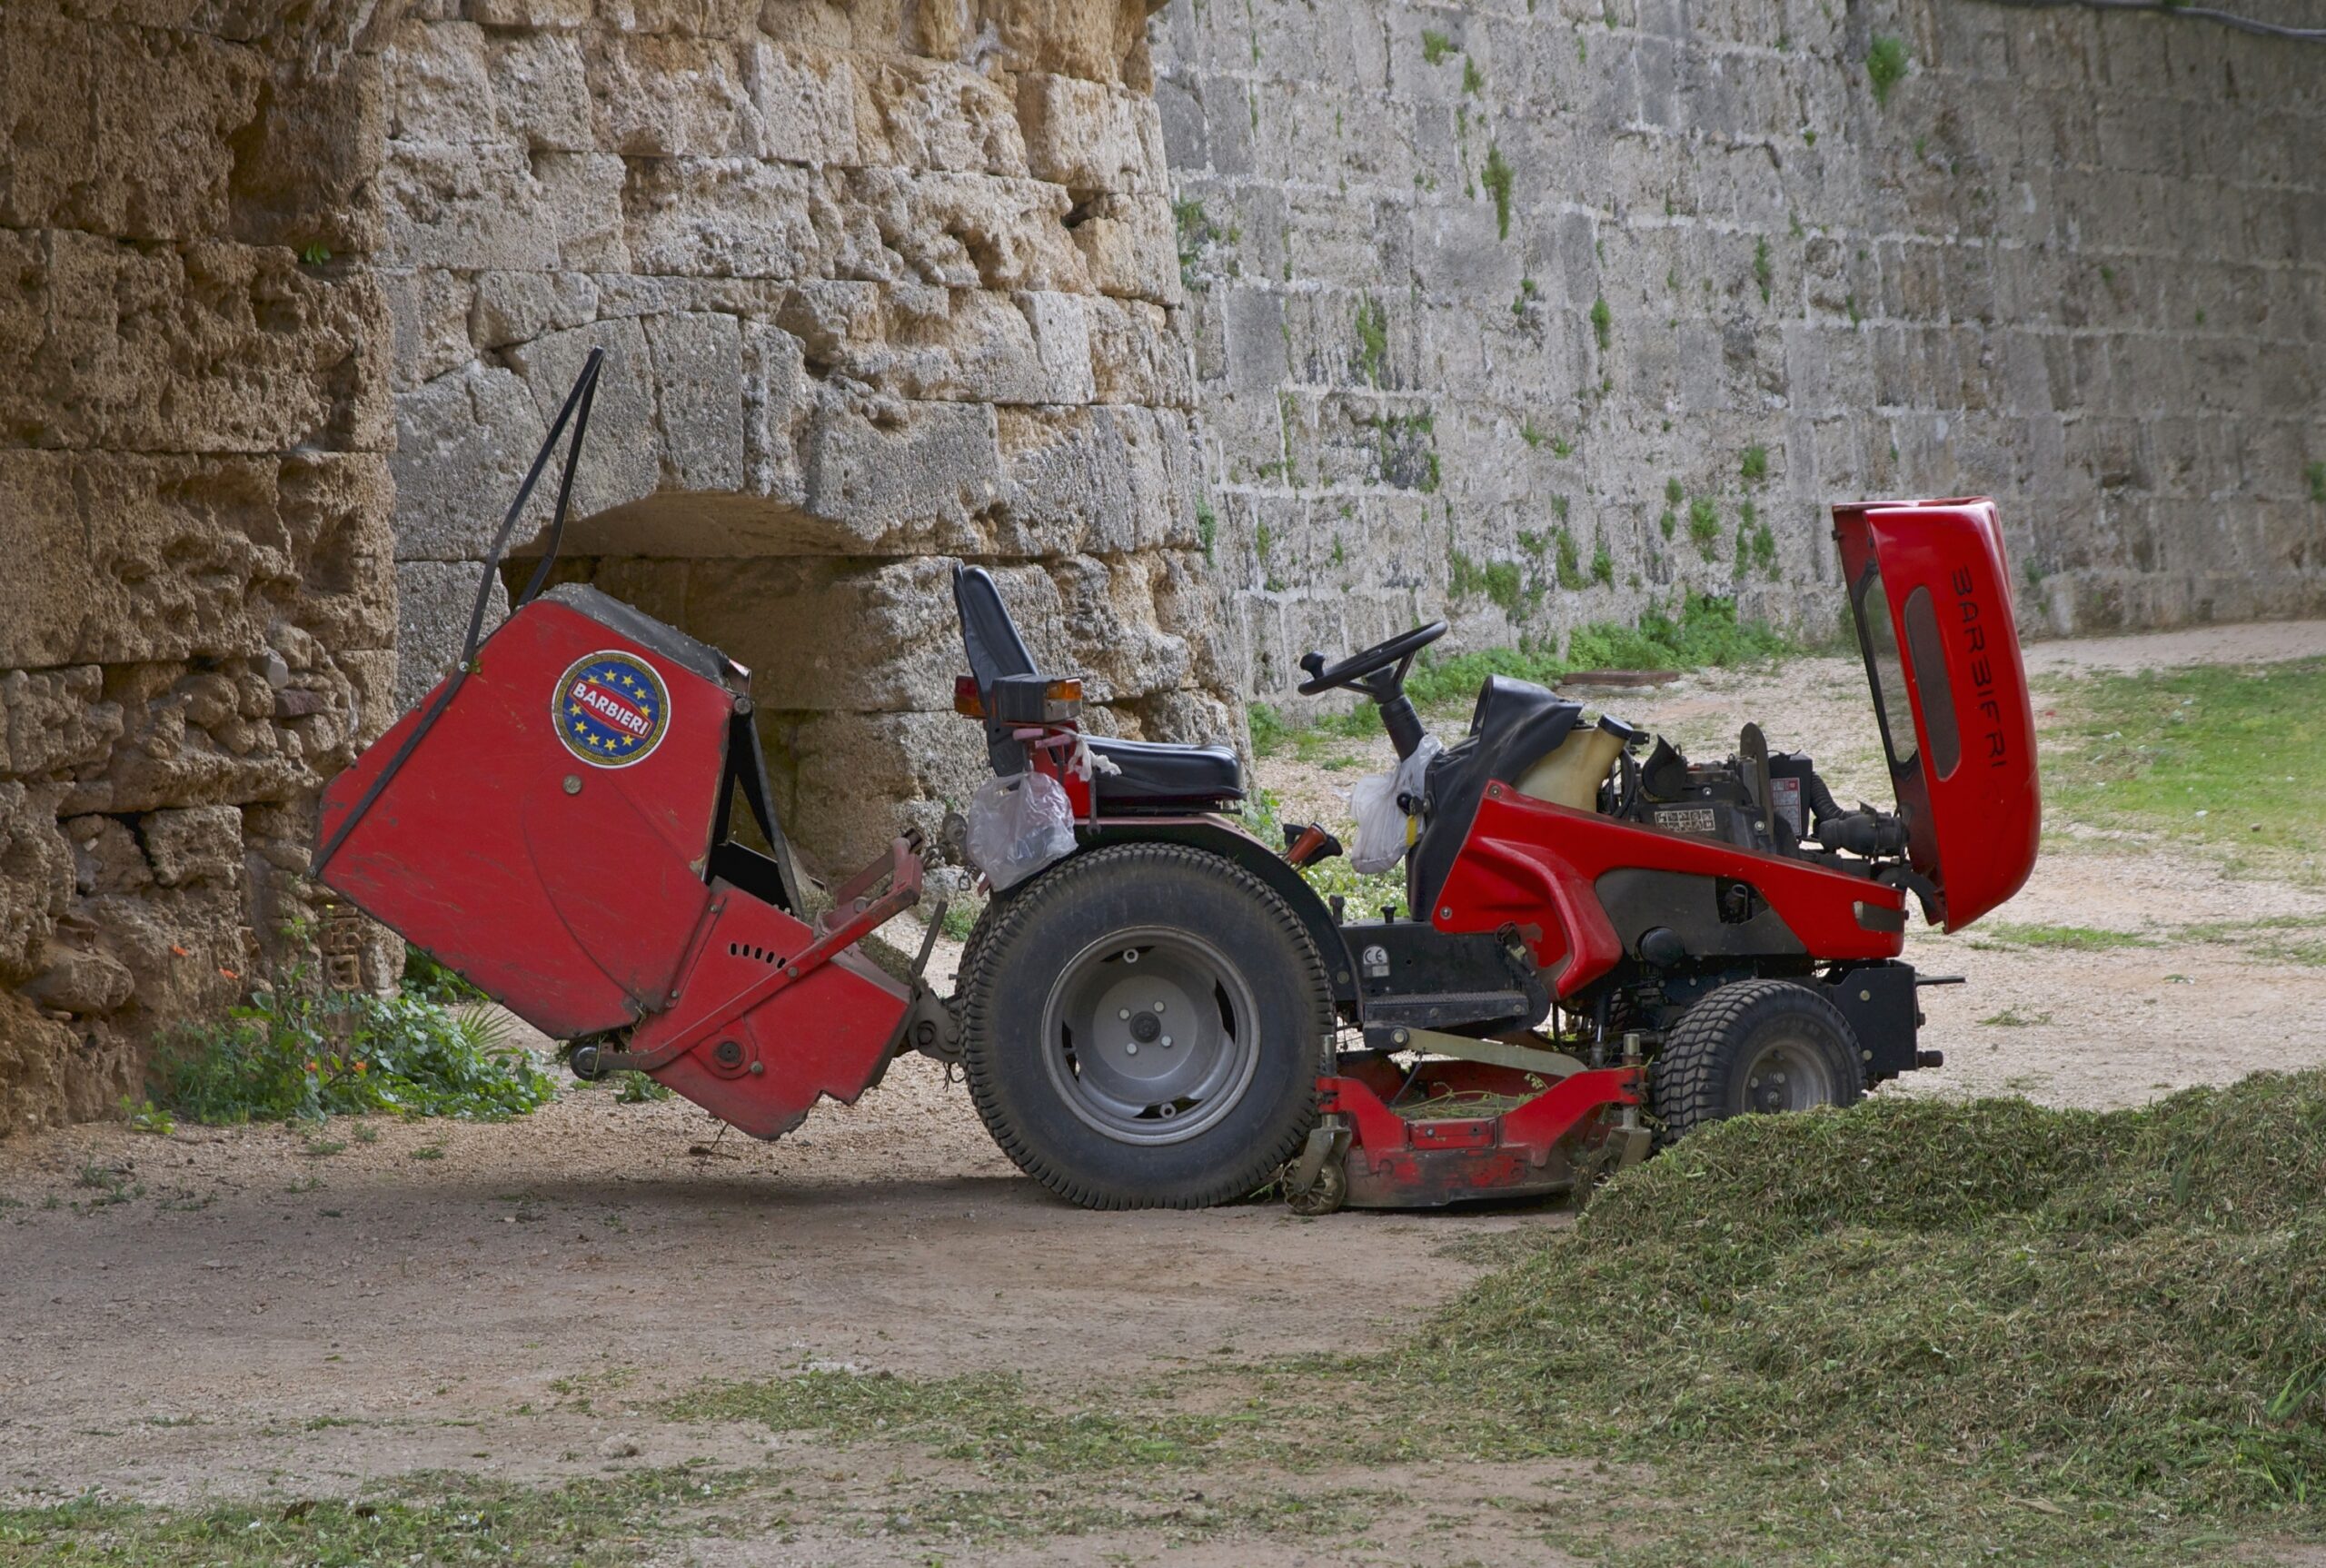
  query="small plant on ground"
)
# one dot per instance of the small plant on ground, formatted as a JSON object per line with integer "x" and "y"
{"x": 1603, "y": 322}
{"x": 290, "y": 1054}
{"x": 1434, "y": 46}
{"x": 1756, "y": 464}
{"x": 147, "y": 1118}
{"x": 634, "y": 1088}
{"x": 2316, "y": 474}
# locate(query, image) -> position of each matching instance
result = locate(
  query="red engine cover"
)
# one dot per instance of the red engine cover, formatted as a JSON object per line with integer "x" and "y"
{"x": 547, "y": 837}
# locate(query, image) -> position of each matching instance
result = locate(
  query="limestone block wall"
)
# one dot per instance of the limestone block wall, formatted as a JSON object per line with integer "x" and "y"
{"x": 884, "y": 286}
{"x": 195, "y": 612}
{"x": 1541, "y": 310}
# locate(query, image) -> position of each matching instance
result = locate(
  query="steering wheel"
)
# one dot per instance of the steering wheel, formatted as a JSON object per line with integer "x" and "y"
{"x": 1397, "y": 651}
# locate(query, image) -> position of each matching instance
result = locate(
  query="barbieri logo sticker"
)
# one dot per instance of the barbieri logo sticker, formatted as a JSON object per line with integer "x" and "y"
{"x": 611, "y": 710}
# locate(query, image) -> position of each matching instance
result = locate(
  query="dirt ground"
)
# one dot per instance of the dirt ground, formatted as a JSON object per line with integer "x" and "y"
{"x": 222, "y": 1313}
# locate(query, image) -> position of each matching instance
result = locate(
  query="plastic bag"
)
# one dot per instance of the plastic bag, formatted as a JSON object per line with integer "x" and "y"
{"x": 1018, "y": 825}
{"x": 1381, "y": 822}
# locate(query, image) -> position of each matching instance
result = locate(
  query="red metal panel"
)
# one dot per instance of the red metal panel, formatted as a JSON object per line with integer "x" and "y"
{"x": 1396, "y": 1162}
{"x": 1533, "y": 865}
{"x": 1970, "y": 795}
{"x": 827, "y": 1033}
{"x": 565, "y": 880}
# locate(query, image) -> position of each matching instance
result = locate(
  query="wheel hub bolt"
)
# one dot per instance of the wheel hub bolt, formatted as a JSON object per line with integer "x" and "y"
{"x": 1167, "y": 1042}
{"x": 1131, "y": 1049}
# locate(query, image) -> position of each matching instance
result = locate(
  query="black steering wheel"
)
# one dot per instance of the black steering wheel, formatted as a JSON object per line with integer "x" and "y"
{"x": 1379, "y": 671}
{"x": 1352, "y": 672}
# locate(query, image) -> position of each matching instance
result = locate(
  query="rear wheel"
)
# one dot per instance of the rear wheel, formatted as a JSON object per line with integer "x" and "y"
{"x": 1754, "y": 1047}
{"x": 1144, "y": 1028}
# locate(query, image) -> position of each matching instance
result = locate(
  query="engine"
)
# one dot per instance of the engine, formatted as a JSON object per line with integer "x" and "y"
{"x": 1722, "y": 800}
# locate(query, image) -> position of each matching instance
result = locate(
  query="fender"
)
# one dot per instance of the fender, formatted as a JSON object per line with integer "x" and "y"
{"x": 1229, "y": 841}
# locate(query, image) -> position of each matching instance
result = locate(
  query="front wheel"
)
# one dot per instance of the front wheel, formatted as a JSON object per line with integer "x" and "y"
{"x": 1144, "y": 1027}
{"x": 1755, "y": 1046}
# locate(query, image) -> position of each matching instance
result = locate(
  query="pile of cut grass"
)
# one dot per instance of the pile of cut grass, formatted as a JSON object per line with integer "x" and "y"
{"x": 1928, "y": 1332}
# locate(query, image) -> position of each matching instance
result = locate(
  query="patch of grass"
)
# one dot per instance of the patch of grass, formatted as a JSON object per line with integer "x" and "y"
{"x": 1925, "y": 1332}
{"x": 290, "y": 1054}
{"x": 1885, "y": 64}
{"x": 1754, "y": 466}
{"x": 1499, "y": 582}
{"x": 1474, "y": 81}
{"x": 1706, "y": 632}
{"x": 986, "y": 1418}
{"x": 2315, "y": 476}
{"x": 1434, "y": 46}
{"x": 1496, "y": 180}
{"x": 428, "y": 1518}
{"x": 1703, "y": 524}
{"x": 2299, "y": 940}
{"x": 1372, "y": 327}
{"x": 1603, "y": 322}
{"x": 1762, "y": 272}
{"x": 2062, "y": 939}
{"x": 2218, "y": 755}
{"x": 2016, "y": 1017}
{"x": 1206, "y": 528}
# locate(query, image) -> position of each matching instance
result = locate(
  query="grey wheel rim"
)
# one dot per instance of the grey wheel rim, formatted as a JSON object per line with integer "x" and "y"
{"x": 1150, "y": 1036}
{"x": 1786, "y": 1074}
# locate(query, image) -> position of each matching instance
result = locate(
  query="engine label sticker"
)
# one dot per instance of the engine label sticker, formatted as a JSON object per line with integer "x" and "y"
{"x": 610, "y": 709}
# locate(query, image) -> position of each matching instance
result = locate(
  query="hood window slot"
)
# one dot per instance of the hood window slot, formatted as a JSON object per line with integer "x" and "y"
{"x": 1930, "y": 675}
{"x": 1880, "y": 641}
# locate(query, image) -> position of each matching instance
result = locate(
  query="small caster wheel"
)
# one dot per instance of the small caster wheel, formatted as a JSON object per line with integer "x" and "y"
{"x": 1323, "y": 1196}
{"x": 584, "y": 1063}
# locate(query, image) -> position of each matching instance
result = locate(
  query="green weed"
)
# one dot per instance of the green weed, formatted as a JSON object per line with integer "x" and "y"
{"x": 1434, "y": 46}
{"x": 290, "y": 1054}
{"x": 1886, "y": 65}
{"x": 1496, "y": 180}
{"x": 1603, "y": 322}
{"x": 2064, "y": 938}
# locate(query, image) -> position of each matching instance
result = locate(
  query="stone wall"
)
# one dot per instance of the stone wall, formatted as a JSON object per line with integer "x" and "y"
{"x": 196, "y": 620}
{"x": 1538, "y": 311}
{"x": 883, "y": 287}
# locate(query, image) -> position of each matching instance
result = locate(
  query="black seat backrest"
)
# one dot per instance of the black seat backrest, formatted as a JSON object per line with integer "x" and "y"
{"x": 995, "y": 649}
{"x": 1514, "y": 724}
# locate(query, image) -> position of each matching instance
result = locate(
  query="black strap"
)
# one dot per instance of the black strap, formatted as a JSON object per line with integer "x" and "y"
{"x": 584, "y": 392}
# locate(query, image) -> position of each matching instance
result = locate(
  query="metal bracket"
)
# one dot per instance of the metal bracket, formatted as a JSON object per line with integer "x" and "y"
{"x": 1549, "y": 1064}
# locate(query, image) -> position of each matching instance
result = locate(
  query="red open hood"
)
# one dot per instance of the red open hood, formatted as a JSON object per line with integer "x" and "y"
{"x": 1932, "y": 599}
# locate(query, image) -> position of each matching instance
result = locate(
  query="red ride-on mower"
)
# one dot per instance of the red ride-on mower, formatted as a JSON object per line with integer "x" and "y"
{"x": 1601, "y": 939}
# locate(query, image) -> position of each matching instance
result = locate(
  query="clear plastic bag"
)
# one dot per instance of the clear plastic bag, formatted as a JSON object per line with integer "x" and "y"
{"x": 1381, "y": 822}
{"x": 1018, "y": 825}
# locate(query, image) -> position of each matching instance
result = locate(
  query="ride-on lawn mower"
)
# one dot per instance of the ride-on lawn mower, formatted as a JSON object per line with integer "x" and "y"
{"x": 1603, "y": 943}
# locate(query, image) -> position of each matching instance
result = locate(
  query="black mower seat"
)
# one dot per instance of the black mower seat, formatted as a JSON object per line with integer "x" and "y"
{"x": 1154, "y": 776}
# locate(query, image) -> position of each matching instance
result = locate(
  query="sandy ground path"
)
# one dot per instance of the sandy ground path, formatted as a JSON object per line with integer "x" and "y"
{"x": 510, "y": 1301}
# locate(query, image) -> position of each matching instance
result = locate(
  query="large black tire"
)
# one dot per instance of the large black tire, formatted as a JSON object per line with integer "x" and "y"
{"x": 1233, "y": 1091}
{"x": 1757, "y": 1046}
